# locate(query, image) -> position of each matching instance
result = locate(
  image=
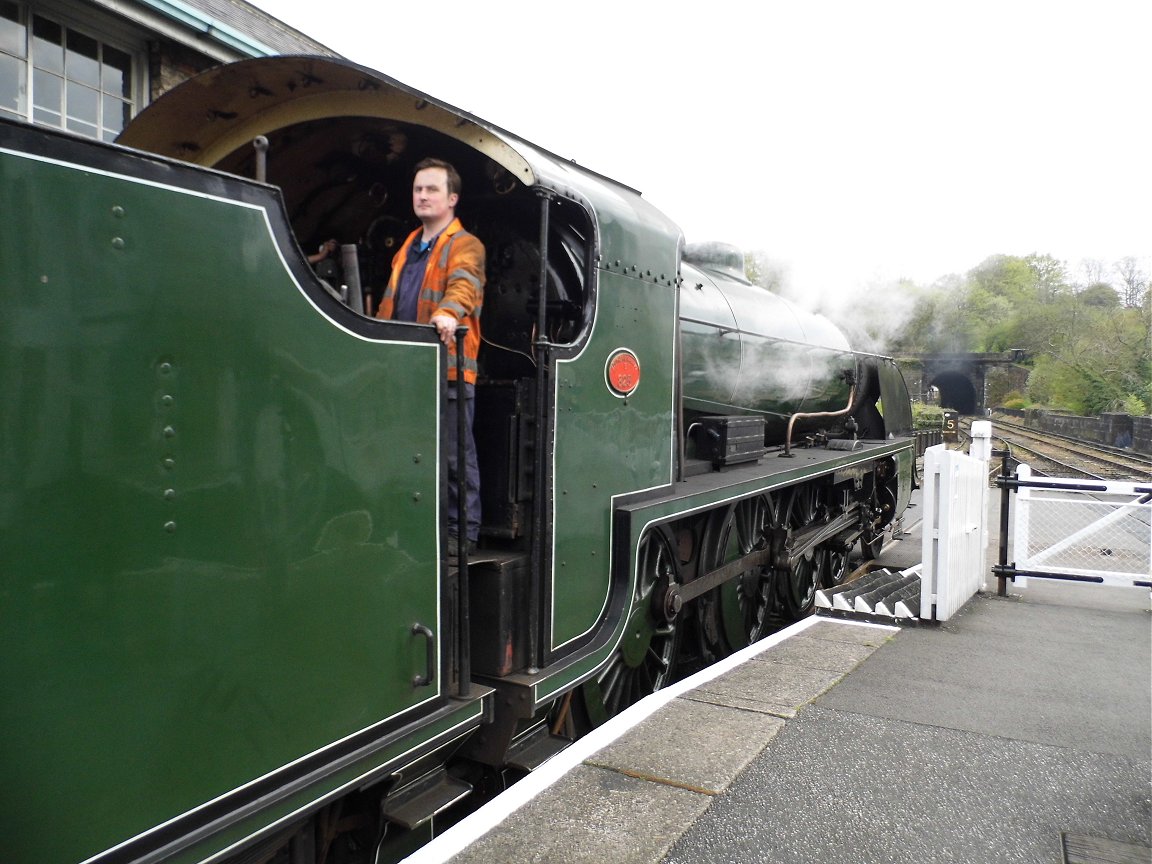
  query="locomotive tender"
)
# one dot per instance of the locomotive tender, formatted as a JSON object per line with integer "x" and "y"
{"x": 229, "y": 628}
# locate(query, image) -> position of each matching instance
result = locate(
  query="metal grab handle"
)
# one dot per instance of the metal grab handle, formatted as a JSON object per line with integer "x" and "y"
{"x": 463, "y": 621}
{"x": 424, "y": 680}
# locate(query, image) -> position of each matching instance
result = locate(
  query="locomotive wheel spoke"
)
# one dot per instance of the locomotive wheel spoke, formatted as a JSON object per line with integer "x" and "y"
{"x": 799, "y": 588}
{"x": 646, "y": 658}
{"x": 833, "y": 566}
{"x": 733, "y": 615}
{"x": 872, "y": 542}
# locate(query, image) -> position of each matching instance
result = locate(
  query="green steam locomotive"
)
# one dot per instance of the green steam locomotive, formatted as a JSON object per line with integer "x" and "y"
{"x": 230, "y": 631}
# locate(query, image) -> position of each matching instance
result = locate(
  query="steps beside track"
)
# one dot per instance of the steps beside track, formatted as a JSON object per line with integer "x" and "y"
{"x": 892, "y": 594}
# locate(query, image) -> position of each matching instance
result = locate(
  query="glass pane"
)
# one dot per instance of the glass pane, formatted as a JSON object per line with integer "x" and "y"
{"x": 82, "y": 128}
{"x": 83, "y": 59}
{"x": 83, "y": 104}
{"x": 46, "y": 118}
{"x": 12, "y": 84}
{"x": 116, "y": 115}
{"x": 47, "y": 44}
{"x": 116, "y": 74}
{"x": 12, "y": 38}
{"x": 47, "y": 91}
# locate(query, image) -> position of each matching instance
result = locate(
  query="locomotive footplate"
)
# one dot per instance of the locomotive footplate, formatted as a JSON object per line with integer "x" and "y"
{"x": 738, "y": 481}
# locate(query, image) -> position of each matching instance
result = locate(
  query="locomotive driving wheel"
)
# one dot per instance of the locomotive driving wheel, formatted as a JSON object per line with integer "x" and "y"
{"x": 872, "y": 541}
{"x": 733, "y": 615}
{"x": 645, "y": 660}
{"x": 798, "y": 588}
{"x": 832, "y": 565}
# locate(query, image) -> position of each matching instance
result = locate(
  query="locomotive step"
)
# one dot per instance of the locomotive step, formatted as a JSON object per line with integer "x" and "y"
{"x": 415, "y": 805}
{"x": 881, "y": 592}
{"x": 536, "y": 749}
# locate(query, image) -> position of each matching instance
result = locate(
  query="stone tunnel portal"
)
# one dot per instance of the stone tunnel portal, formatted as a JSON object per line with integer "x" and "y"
{"x": 956, "y": 392}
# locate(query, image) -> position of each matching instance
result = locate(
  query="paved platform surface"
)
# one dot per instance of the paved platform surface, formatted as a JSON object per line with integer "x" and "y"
{"x": 1018, "y": 731}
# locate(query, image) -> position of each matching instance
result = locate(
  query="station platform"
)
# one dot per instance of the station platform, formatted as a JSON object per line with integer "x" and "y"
{"x": 1018, "y": 731}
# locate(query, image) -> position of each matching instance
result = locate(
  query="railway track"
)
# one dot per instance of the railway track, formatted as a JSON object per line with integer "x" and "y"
{"x": 1050, "y": 454}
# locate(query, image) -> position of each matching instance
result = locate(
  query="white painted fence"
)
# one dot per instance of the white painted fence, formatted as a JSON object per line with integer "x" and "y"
{"x": 955, "y": 532}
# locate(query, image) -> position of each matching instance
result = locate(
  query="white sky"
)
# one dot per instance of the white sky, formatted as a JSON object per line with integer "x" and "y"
{"x": 855, "y": 142}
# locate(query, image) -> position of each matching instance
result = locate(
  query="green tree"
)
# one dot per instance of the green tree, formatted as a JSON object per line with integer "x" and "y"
{"x": 1133, "y": 282}
{"x": 1100, "y": 295}
{"x": 764, "y": 271}
{"x": 1090, "y": 345}
{"x": 1050, "y": 276}
{"x": 1004, "y": 276}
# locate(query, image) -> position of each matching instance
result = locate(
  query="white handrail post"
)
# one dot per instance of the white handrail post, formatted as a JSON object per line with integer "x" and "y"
{"x": 981, "y": 448}
{"x": 1022, "y": 519}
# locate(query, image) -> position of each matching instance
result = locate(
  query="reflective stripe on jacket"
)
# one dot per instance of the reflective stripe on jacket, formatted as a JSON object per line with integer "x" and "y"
{"x": 453, "y": 285}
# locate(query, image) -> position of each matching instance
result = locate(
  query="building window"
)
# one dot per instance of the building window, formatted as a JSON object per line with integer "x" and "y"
{"x": 56, "y": 75}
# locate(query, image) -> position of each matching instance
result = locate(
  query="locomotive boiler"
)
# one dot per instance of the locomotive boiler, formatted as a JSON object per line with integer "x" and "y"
{"x": 231, "y": 631}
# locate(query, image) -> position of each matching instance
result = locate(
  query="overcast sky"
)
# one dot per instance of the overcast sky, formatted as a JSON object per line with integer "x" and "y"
{"x": 852, "y": 141}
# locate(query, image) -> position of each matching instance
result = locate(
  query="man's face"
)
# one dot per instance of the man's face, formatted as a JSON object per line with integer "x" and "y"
{"x": 430, "y": 197}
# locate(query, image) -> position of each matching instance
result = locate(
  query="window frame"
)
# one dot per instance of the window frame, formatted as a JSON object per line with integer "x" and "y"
{"x": 108, "y": 34}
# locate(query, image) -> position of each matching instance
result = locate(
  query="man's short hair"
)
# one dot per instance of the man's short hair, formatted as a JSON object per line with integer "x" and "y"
{"x": 453, "y": 176}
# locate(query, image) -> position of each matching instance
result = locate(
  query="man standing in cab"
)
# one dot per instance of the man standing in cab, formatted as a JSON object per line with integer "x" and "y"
{"x": 438, "y": 278}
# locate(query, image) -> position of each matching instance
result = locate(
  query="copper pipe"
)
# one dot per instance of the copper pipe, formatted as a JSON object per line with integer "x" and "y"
{"x": 794, "y": 417}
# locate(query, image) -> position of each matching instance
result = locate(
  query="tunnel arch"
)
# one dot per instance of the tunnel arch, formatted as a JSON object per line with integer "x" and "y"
{"x": 956, "y": 391}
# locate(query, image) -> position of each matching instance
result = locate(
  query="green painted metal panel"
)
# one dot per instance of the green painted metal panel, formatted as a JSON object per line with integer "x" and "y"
{"x": 217, "y": 510}
{"x": 607, "y": 445}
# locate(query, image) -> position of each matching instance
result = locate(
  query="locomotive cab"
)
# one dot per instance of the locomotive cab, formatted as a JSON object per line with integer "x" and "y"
{"x": 341, "y": 144}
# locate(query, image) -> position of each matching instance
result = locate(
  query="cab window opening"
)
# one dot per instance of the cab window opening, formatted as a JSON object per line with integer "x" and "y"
{"x": 349, "y": 179}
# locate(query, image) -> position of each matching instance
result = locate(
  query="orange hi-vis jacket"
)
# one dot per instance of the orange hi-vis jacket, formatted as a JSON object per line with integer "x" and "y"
{"x": 453, "y": 285}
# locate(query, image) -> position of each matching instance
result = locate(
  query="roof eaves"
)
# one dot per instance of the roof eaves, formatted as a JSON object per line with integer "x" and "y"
{"x": 210, "y": 27}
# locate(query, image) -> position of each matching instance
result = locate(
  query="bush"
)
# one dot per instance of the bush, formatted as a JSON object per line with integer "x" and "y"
{"x": 927, "y": 416}
{"x": 1134, "y": 405}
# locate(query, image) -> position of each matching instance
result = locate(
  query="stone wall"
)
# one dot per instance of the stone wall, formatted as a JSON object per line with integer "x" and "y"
{"x": 1115, "y": 430}
{"x": 1142, "y": 434}
{"x": 170, "y": 64}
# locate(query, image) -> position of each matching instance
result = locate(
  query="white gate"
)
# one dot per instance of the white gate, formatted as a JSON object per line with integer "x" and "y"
{"x": 1082, "y": 531}
{"x": 955, "y": 533}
